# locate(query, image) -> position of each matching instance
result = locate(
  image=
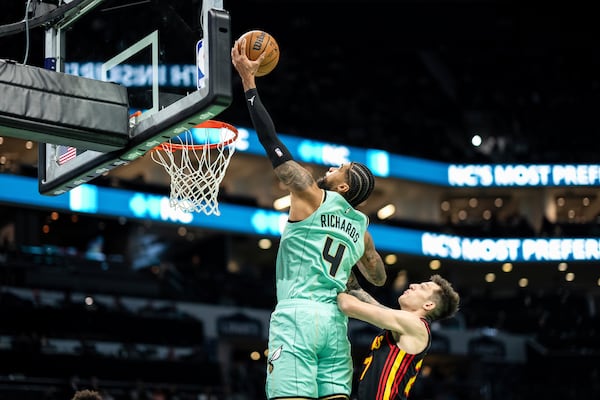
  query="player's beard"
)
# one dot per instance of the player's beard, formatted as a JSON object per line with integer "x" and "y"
{"x": 322, "y": 183}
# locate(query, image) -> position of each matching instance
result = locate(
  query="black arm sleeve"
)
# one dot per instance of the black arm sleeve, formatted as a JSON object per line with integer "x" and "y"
{"x": 265, "y": 129}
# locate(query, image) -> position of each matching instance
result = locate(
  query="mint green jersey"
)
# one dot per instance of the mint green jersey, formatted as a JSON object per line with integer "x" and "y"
{"x": 316, "y": 254}
{"x": 309, "y": 350}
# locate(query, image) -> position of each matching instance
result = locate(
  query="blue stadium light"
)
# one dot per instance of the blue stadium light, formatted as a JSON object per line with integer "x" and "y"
{"x": 113, "y": 202}
{"x": 84, "y": 198}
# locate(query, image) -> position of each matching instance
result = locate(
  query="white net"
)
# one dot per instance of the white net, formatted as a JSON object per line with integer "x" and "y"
{"x": 196, "y": 161}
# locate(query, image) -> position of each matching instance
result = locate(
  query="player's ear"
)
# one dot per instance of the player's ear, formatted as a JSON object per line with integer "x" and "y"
{"x": 343, "y": 187}
{"x": 429, "y": 305}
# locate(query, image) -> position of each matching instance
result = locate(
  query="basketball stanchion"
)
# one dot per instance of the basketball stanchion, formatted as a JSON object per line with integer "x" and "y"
{"x": 196, "y": 161}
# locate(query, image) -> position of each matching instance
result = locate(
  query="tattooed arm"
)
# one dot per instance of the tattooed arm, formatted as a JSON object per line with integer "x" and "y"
{"x": 305, "y": 194}
{"x": 370, "y": 264}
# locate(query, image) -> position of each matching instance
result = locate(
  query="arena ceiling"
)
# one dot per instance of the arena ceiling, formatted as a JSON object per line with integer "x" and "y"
{"x": 420, "y": 77}
{"x": 411, "y": 76}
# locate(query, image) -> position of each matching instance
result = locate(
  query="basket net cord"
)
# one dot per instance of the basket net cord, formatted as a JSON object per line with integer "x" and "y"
{"x": 196, "y": 172}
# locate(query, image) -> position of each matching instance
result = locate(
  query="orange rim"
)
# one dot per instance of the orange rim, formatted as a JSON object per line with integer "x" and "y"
{"x": 211, "y": 124}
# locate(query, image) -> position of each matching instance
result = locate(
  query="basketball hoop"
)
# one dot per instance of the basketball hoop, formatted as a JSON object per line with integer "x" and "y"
{"x": 196, "y": 162}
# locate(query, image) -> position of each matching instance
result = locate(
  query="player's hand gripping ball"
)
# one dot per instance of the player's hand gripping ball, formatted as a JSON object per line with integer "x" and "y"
{"x": 258, "y": 42}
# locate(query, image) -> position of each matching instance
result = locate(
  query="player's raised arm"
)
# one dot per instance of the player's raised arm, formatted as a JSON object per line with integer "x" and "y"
{"x": 306, "y": 195}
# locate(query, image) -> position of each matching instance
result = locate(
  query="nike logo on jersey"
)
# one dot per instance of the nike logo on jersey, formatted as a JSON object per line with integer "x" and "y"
{"x": 251, "y": 100}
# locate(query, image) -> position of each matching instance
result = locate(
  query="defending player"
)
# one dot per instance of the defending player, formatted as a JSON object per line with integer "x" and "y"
{"x": 397, "y": 353}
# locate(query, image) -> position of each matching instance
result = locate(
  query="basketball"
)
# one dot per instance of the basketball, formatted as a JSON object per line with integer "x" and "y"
{"x": 258, "y": 42}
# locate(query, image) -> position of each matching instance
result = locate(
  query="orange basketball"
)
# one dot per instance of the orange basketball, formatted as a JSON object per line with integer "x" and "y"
{"x": 258, "y": 42}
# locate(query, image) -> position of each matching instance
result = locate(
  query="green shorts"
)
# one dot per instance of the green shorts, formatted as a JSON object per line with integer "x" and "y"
{"x": 309, "y": 351}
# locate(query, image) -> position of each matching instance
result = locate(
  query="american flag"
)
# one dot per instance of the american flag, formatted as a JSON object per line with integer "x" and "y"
{"x": 66, "y": 153}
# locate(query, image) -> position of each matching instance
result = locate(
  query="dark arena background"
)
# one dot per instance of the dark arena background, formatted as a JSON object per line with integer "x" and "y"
{"x": 140, "y": 303}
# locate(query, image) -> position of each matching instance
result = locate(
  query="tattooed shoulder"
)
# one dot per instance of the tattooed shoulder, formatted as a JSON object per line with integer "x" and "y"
{"x": 294, "y": 175}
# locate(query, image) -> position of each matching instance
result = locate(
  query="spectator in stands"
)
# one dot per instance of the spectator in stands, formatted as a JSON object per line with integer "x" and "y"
{"x": 397, "y": 352}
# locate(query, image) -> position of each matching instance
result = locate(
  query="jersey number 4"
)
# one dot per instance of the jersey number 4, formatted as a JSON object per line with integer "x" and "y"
{"x": 335, "y": 259}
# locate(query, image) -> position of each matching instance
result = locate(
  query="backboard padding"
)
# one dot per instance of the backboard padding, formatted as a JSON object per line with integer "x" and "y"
{"x": 48, "y": 106}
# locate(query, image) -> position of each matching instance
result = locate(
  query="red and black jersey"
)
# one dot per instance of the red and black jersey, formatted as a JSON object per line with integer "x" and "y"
{"x": 389, "y": 372}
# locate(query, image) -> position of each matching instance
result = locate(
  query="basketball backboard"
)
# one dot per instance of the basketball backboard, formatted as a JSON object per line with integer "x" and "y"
{"x": 172, "y": 56}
